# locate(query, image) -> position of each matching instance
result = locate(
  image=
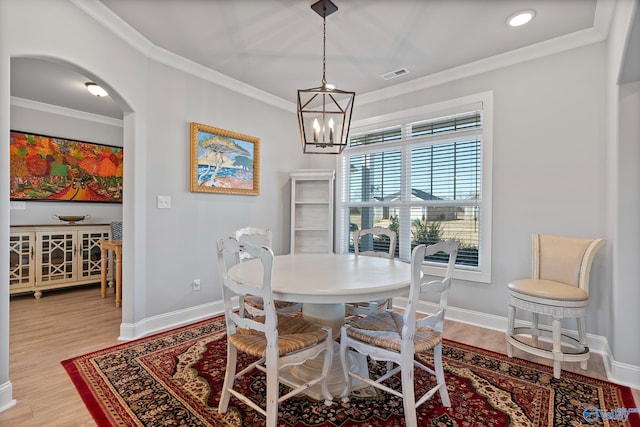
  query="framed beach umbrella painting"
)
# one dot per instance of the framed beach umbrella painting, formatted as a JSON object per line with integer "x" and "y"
{"x": 223, "y": 161}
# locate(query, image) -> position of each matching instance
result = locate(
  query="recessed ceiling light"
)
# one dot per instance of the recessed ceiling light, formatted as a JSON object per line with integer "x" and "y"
{"x": 521, "y": 18}
{"x": 96, "y": 90}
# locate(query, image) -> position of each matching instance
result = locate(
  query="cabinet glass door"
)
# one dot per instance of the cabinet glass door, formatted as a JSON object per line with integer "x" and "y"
{"x": 56, "y": 257}
{"x": 21, "y": 252}
{"x": 90, "y": 261}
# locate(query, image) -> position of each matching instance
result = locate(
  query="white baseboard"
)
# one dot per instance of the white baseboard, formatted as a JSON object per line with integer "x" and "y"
{"x": 162, "y": 322}
{"x": 6, "y": 396}
{"x": 622, "y": 373}
{"x": 617, "y": 372}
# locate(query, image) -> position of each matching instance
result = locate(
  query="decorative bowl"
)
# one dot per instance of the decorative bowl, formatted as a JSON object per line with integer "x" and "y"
{"x": 71, "y": 219}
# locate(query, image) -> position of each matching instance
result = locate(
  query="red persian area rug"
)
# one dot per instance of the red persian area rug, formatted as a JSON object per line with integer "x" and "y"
{"x": 174, "y": 379}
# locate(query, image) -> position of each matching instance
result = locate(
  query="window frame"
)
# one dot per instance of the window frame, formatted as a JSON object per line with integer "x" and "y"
{"x": 481, "y": 101}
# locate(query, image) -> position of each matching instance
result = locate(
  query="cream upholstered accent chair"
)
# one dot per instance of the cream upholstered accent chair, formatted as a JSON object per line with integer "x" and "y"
{"x": 251, "y": 304}
{"x": 364, "y": 244}
{"x": 277, "y": 341}
{"x": 559, "y": 288}
{"x": 397, "y": 337}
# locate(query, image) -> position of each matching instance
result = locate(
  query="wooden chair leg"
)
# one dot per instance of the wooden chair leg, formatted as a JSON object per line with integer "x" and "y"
{"x": 437, "y": 364}
{"x": 229, "y": 378}
{"x": 409, "y": 395}
{"x": 557, "y": 346}
{"x": 273, "y": 387}
{"x": 511, "y": 319}
{"x": 324, "y": 387}
{"x": 535, "y": 330}
{"x": 582, "y": 336}
{"x": 344, "y": 358}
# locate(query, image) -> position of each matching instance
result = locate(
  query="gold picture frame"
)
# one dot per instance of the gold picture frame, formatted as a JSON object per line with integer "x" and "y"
{"x": 223, "y": 161}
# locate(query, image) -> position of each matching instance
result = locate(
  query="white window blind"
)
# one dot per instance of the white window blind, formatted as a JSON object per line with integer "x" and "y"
{"x": 421, "y": 178}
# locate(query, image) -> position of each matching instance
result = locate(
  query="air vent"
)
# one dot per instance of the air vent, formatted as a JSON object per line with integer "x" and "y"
{"x": 396, "y": 73}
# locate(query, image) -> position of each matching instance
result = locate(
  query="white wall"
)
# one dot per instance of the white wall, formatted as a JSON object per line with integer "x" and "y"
{"x": 181, "y": 241}
{"x": 163, "y": 249}
{"x": 45, "y": 121}
{"x": 6, "y": 388}
{"x": 624, "y": 340}
{"x": 549, "y": 156}
{"x": 548, "y": 169}
{"x": 623, "y": 199}
{"x": 168, "y": 248}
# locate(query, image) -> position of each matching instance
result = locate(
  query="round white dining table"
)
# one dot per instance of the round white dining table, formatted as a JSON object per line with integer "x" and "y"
{"x": 324, "y": 283}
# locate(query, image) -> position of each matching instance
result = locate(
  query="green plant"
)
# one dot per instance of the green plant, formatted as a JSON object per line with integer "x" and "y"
{"x": 394, "y": 225}
{"x": 426, "y": 232}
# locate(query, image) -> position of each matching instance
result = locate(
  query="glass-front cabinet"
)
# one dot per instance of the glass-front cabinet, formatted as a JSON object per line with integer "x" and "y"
{"x": 49, "y": 257}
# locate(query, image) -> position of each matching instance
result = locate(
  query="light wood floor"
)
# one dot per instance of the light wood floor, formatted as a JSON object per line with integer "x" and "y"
{"x": 64, "y": 324}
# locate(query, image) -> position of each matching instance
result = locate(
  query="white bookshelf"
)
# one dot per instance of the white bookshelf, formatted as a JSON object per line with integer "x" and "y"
{"x": 312, "y": 210}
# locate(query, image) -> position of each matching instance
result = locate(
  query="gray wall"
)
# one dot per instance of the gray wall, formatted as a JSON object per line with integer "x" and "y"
{"x": 627, "y": 292}
{"x": 181, "y": 241}
{"x": 164, "y": 250}
{"x": 548, "y": 171}
{"x": 550, "y": 174}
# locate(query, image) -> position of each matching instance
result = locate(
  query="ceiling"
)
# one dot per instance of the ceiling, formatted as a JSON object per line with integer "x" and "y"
{"x": 276, "y": 45}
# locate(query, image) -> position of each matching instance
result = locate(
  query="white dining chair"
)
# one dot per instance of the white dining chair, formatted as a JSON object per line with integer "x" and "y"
{"x": 372, "y": 242}
{"x": 277, "y": 341}
{"x": 251, "y": 304}
{"x": 397, "y": 337}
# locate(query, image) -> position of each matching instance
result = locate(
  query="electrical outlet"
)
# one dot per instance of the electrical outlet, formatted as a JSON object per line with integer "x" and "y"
{"x": 164, "y": 202}
{"x": 196, "y": 285}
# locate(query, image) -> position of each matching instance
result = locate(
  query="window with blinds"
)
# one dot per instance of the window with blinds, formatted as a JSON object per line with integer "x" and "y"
{"x": 422, "y": 179}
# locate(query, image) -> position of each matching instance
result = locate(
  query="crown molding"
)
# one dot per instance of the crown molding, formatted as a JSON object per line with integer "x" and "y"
{"x": 528, "y": 53}
{"x": 129, "y": 35}
{"x": 599, "y": 32}
{"x": 62, "y": 111}
{"x": 170, "y": 59}
{"x": 604, "y": 16}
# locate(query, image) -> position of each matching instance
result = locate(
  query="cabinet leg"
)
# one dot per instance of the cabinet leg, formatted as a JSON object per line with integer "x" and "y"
{"x": 37, "y": 294}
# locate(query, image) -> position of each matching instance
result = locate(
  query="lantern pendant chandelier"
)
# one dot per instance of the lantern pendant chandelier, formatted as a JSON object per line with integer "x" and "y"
{"x": 324, "y": 113}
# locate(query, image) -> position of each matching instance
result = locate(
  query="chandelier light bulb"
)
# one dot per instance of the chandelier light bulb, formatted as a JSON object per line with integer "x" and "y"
{"x": 331, "y": 130}
{"x": 316, "y": 130}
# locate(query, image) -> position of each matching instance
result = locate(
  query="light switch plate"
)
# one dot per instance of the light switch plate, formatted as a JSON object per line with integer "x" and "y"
{"x": 164, "y": 202}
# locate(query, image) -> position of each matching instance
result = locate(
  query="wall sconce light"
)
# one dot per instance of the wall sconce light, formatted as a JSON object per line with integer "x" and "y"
{"x": 95, "y": 90}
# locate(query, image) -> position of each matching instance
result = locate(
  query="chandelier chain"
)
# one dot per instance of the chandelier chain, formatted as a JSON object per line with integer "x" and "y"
{"x": 324, "y": 50}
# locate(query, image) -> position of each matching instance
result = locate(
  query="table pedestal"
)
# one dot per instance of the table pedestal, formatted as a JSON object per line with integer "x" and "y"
{"x": 328, "y": 315}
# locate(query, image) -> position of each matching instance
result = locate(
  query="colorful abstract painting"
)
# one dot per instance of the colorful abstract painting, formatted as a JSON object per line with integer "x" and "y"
{"x": 224, "y": 161}
{"x": 47, "y": 168}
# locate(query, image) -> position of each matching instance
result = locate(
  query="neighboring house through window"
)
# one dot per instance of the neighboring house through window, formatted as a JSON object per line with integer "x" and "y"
{"x": 426, "y": 174}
